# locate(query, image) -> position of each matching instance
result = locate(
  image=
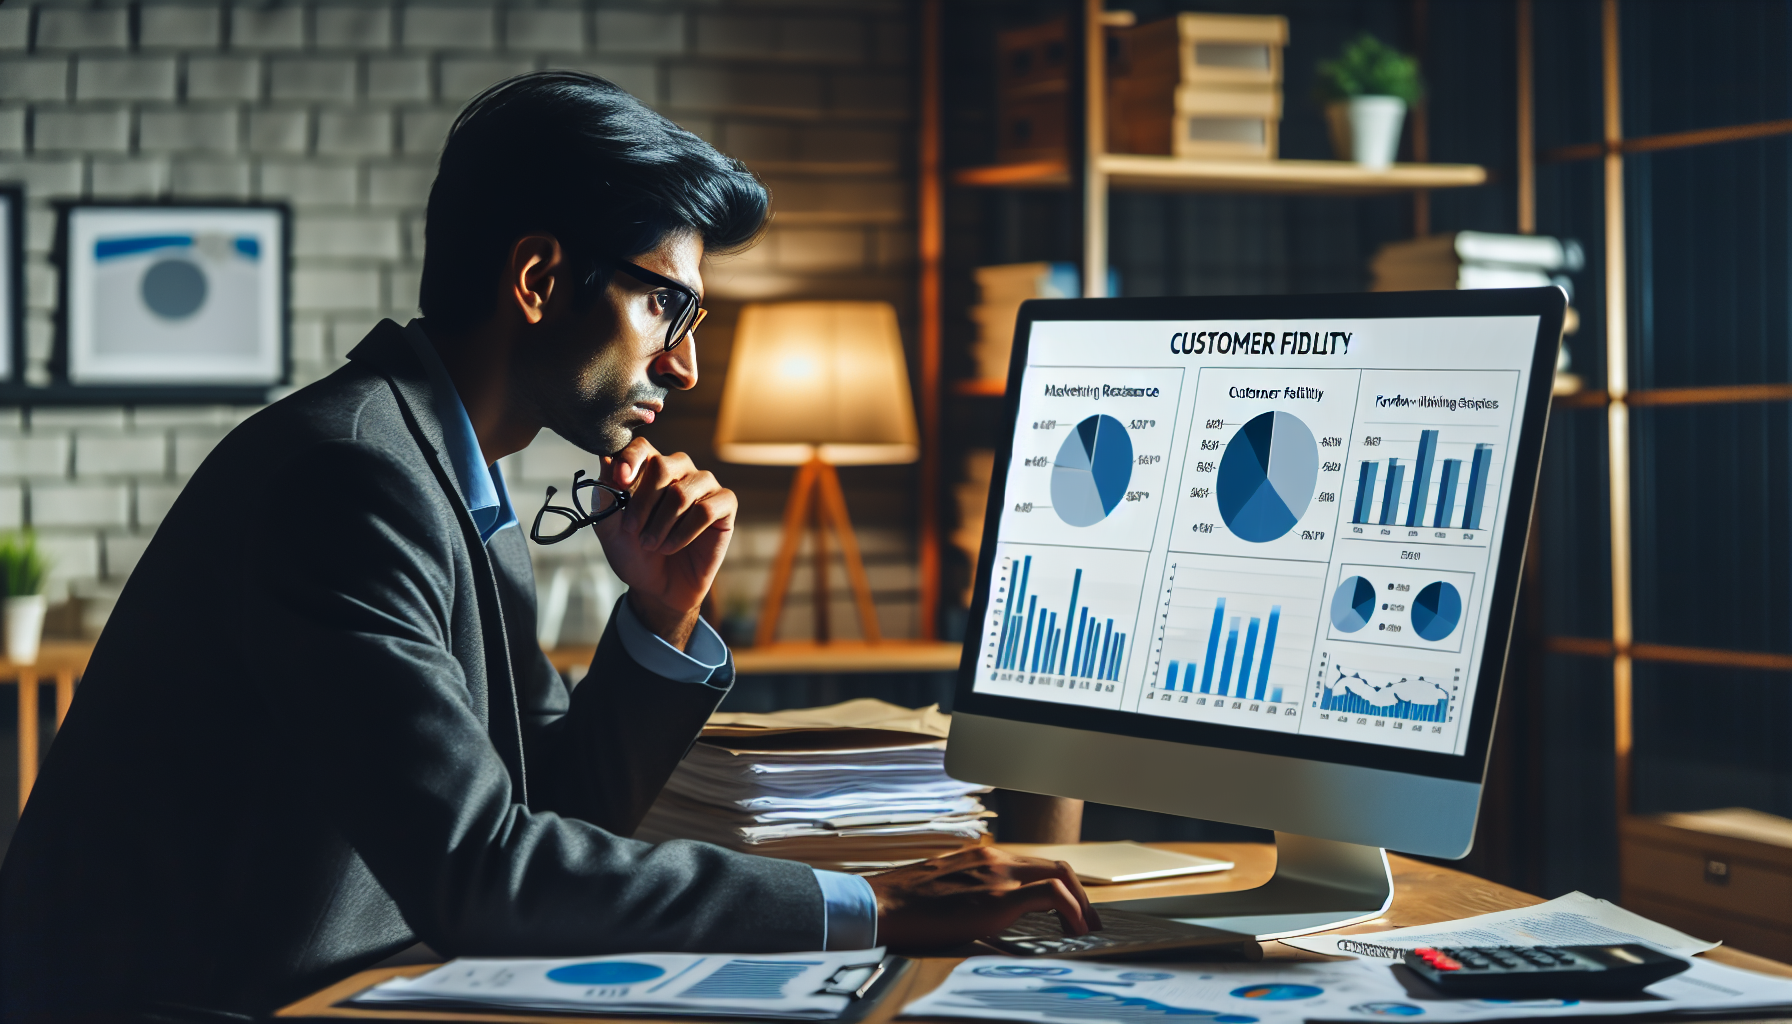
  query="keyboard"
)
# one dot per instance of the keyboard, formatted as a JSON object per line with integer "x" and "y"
{"x": 1124, "y": 935}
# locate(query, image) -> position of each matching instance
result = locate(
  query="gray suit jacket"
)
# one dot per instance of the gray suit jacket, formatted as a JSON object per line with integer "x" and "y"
{"x": 318, "y": 729}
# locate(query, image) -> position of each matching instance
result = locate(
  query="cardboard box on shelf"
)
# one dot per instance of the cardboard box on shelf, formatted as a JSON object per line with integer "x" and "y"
{"x": 1197, "y": 85}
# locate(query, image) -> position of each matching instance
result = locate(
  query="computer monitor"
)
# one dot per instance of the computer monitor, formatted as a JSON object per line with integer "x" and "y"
{"x": 1255, "y": 560}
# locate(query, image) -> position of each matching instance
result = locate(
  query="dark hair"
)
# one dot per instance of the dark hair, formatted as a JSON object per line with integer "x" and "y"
{"x": 577, "y": 157}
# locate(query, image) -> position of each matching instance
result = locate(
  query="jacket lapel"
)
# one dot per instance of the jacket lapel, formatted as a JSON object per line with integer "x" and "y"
{"x": 386, "y": 351}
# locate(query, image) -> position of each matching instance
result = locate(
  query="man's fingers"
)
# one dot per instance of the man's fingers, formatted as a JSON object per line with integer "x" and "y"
{"x": 1049, "y": 894}
{"x": 653, "y": 477}
{"x": 673, "y": 502}
{"x": 1067, "y": 875}
{"x": 717, "y": 507}
{"x": 623, "y": 468}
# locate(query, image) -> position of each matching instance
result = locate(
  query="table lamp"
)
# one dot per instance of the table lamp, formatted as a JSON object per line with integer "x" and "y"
{"x": 817, "y": 385}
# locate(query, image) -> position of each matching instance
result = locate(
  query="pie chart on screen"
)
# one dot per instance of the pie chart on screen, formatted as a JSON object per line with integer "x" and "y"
{"x": 1090, "y": 474}
{"x": 1436, "y": 611}
{"x": 1353, "y": 604}
{"x": 1267, "y": 477}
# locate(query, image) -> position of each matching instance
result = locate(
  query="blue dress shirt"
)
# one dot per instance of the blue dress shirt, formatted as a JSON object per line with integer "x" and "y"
{"x": 851, "y": 915}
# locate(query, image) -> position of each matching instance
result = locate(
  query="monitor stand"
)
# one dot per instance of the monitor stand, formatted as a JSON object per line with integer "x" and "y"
{"x": 1318, "y": 884}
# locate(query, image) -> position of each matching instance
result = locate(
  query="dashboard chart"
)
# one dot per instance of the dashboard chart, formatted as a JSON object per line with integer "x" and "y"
{"x": 1090, "y": 455}
{"x": 1264, "y": 465}
{"x": 1091, "y": 471}
{"x": 1353, "y": 604}
{"x": 1267, "y": 476}
{"x": 1396, "y": 701}
{"x": 1399, "y": 606}
{"x": 1233, "y": 639}
{"x": 1064, "y": 623}
{"x": 1436, "y": 611}
{"x": 1285, "y": 530}
{"x": 1424, "y": 464}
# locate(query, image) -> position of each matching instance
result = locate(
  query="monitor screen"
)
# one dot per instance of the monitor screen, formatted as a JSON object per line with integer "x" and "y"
{"x": 1293, "y": 531}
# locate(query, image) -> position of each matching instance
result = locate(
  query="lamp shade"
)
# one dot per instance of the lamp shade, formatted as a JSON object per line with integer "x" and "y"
{"x": 817, "y": 379}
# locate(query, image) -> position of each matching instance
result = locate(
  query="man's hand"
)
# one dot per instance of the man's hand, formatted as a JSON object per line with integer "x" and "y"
{"x": 669, "y": 542}
{"x": 974, "y": 893}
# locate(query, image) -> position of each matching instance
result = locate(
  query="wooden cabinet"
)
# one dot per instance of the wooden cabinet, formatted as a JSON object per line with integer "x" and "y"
{"x": 1724, "y": 875}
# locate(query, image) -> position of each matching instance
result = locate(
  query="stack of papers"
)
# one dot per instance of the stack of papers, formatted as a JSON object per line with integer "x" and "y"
{"x": 1066, "y": 991}
{"x": 860, "y": 786}
{"x": 780, "y": 986}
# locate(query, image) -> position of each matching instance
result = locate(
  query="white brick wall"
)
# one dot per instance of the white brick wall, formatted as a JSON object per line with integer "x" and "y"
{"x": 339, "y": 107}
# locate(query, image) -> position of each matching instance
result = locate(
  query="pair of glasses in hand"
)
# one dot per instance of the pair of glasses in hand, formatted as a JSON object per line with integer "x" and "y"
{"x": 576, "y": 518}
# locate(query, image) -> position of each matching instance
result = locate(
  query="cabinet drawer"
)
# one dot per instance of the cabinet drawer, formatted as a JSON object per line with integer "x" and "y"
{"x": 1715, "y": 880}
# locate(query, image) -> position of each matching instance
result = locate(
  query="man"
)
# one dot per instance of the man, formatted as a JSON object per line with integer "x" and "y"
{"x": 317, "y": 729}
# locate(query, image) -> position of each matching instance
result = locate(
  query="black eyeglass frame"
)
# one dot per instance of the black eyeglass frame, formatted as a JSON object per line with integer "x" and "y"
{"x": 577, "y": 516}
{"x": 687, "y": 322}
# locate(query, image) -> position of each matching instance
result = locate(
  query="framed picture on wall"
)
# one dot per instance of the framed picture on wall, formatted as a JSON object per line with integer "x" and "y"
{"x": 191, "y": 298}
{"x": 12, "y": 283}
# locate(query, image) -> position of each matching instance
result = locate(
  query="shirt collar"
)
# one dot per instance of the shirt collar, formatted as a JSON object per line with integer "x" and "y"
{"x": 488, "y": 500}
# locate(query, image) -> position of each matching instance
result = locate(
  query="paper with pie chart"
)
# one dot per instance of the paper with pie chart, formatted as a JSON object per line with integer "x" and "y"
{"x": 1091, "y": 455}
{"x": 1400, "y": 606}
{"x": 1263, "y": 470}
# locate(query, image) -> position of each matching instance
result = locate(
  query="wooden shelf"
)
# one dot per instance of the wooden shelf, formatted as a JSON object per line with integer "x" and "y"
{"x": 1285, "y": 177}
{"x": 980, "y": 388}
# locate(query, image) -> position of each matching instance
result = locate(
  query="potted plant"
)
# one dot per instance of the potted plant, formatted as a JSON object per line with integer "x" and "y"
{"x": 22, "y": 571}
{"x": 1366, "y": 91}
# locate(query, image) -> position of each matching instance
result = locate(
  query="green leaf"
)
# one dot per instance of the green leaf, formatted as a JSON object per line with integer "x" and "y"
{"x": 1369, "y": 67}
{"x": 23, "y": 566}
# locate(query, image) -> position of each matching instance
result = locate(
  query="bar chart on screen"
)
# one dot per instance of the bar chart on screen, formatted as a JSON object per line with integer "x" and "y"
{"x": 1427, "y": 457}
{"x": 1060, "y": 622}
{"x": 1234, "y": 637}
{"x": 1362, "y": 696}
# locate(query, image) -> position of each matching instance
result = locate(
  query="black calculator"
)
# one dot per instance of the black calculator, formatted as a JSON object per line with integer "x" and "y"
{"x": 1531, "y": 972}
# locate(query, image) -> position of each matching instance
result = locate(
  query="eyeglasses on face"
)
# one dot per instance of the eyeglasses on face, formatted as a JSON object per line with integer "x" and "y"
{"x": 678, "y": 302}
{"x": 576, "y": 518}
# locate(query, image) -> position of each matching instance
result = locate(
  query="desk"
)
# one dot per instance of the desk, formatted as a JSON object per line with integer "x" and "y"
{"x": 1423, "y": 894}
{"x": 64, "y": 661}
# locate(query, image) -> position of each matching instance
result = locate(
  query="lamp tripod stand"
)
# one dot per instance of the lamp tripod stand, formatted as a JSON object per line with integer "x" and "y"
{"x": 816, "y": 502}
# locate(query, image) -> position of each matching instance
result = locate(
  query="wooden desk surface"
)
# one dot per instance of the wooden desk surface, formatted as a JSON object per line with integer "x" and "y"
{"x": 1423, "y": 894}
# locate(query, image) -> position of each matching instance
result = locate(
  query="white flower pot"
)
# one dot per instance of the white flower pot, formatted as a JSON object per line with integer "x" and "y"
{"x": 24, "y": 628}
{"x": 1375, "y": 129}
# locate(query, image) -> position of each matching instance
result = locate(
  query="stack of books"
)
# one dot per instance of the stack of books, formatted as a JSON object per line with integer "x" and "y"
{"x": 859, "y": 786}
{"x": 1000, "y": 291}
{"x": 1476, "y": 259}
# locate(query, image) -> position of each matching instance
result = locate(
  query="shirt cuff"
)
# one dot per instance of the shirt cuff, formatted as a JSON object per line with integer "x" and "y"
{"x": 697, "y": 664}
{"x": 851, "y": 921}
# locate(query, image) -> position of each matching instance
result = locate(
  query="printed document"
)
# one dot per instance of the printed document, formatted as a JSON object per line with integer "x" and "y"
{"x": 788, "y": 986}
{"x": 1572, "y": 920}
{"x": 1074, "y": 991}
